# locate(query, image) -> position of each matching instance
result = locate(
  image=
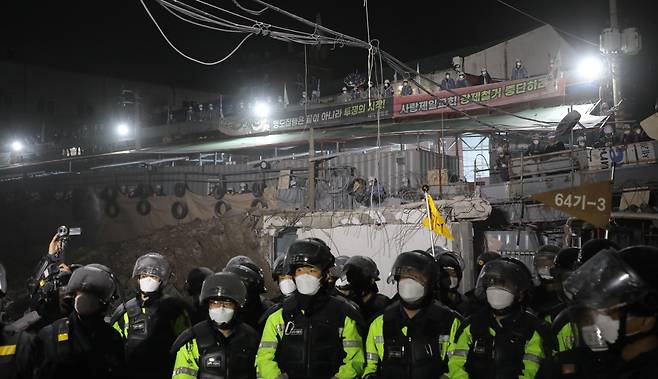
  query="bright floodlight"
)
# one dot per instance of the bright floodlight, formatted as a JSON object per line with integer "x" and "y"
{"x": 591, "y": 68}
{"x": 17, "y": 146}
{"x": 261, "y": 110}
{"x": 123, "y": 130}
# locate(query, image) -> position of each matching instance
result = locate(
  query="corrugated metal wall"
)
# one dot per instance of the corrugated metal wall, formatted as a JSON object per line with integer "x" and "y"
{"x": 391, "y": 167}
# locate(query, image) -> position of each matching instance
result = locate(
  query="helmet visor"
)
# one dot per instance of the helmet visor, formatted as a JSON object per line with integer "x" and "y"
{"x": 604, "y": 282}
{"x": 152, "y": 264}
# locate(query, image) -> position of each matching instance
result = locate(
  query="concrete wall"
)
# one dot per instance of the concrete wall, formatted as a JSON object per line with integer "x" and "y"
{"x": 534, "y": 48}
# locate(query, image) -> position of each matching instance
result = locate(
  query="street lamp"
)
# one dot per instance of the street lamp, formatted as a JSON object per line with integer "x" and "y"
{"x": 17, "y": 146}
{"x": 123, "y": 130}
{"x": 591, "y": 68}
{"x": 261, "y": 110}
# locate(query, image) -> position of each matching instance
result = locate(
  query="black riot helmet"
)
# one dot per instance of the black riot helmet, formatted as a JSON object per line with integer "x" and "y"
{"x": 95, "y": 279}
{"x": 195, "y": 279}
{"x": 593, "y": 246}
{"x": 3, "y": 281}
{"x": 438, "y": 250}
{"x": 279, "y": 268}
{"x": 417, "y": 261}
{"x": 361, "y": 273}
{"x": 506, "y": 272}
{"x": 225, "y": 285}
{"x": 251, "y": 279}
{"x": 245, "y": 261}
{"x": 339, "y": 263}
{"x": 483, "y": 259}
{"x": 153, "y": 264}
{"x": 565, "y": 262}
{"x": 613, "y": 279}
{"x": 449, "y": 261}
{"x": 309, "y": 252}
{"x": 544, "y": 260}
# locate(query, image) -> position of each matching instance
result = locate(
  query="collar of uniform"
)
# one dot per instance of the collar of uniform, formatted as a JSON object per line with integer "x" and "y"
{"x": 510, "y": 318}
{"x": 405, "y": 318}
{"x": 312, "y": 303}
{"x": 153, "y": 297}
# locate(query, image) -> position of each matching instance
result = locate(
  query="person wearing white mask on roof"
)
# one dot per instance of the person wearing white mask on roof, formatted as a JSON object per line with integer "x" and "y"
{"x": 151, "y": 321}
{"x": 502, "y": 339}
{"x": 535, "y": 147}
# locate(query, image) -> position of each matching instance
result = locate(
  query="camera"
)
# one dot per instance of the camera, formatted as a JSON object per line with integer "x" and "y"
{"x": 64, "y": 231}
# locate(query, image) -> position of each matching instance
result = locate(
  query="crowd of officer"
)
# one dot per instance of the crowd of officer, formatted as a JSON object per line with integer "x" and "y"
{"x": 586, "y": 312}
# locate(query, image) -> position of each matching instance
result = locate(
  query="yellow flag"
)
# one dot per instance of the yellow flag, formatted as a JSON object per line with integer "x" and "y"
{"x": 438, "y": 225}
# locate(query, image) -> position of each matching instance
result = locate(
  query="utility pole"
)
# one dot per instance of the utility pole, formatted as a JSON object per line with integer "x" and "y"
{"x": 311, "y": 169}
{"x": 614, "y": 58}
{"x": 137, "y": 123}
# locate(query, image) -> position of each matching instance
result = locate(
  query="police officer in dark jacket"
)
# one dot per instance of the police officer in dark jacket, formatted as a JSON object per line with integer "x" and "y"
{"x": 151, "y": 321}
{"x": 451, "y": 267}
{"x": 15, "y": 355}
{"x": 193, "y": 283}
{"x": 83, "y": 345}
{"x": 501, "y": 340}
{"x": 410, "y": 339}
{"x": 221, "y": 346}
{"x": 362, "y": 274}
{"x": 473, "y": 302}
{"x": 281, "y": 276}
{"x": 256, "y": 305}
{"x": 615, "y": 293}
{"x": 546, "y": 299}
{"x": 312, "y": 334}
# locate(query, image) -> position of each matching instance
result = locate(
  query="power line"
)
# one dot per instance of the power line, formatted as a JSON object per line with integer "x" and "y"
{"x": 185, "y": 55}
{"x": 546, "y": 23}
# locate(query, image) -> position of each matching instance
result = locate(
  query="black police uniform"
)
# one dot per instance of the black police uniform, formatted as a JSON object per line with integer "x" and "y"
{"x": 150, "y": 332}
{"x": 15, "y": 355}
{"x": 70, "y": 348}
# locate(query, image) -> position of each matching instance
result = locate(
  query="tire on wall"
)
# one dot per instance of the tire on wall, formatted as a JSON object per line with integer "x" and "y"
{"x": 179, "y": 210}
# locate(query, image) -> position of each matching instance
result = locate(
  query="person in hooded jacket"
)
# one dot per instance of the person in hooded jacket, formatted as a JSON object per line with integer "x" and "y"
{"x": 411, "y": 338}
{"x": 151, "y": 321}
{"x": 193, "y": 283}
{"x": 221, "y": 346}
{"x": 83, "y": 345}
{"x": 362, "y": 274}
{"x": 502, "y": 340}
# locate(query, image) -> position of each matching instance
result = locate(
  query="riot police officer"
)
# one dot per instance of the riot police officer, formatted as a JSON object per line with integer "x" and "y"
{"x": 221, "y": 346}
{"x": 281, "y": 276}
{"x": 451, "y": 268}
{"x": 312, "y": 334}
{"x": 337, "y": 282}
{"x": 501, "y": 340}
{"x": 410, "y": 339}
{"x": 546, "y": 301}
{"x": 15, "y": 357}
{"x": 193, "y": 283}
{"x": 563, "y": 265}
{"x": 613, "y": 298}
{"x": 256, "y": 306}
{"x": 151, "y": 321}
{"x": 362, "y": 274}
{"x": 83, "y": 345}
{"x": 473, "y": 302}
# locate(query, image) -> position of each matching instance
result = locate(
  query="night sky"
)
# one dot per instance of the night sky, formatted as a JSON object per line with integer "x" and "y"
{"x": 116, "y": 37}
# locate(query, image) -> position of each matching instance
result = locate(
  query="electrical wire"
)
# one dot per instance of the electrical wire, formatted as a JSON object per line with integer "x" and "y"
{"x": 546, "y": 23}
{"x": 185, "y": 55}
{"x": 250, "y": 11}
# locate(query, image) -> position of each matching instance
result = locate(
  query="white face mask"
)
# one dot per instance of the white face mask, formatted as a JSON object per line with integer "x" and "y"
{"x": 86, "y": 304}
{"x": 341, "y": 283}
{"x": 499, "y": 298}
{"x": 307, "y": 284}
{"x": 593, "y": 338}
{"x": 454, "y": 282}
{"x": 221, "y": 315}
{"x": 609, "y": 327}
{"x": 535, "y": 142}
{"x": 148, "y": 285}
{"x": 287, "y": 286}
{"x": 410, "y": 290}
{"x": 545, "y": 273}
